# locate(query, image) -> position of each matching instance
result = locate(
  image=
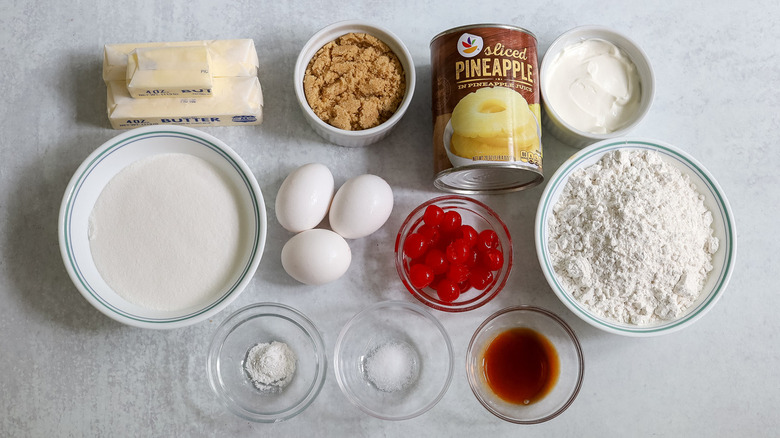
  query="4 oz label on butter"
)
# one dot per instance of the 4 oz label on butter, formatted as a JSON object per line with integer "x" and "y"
{"x": 486, "y": 112}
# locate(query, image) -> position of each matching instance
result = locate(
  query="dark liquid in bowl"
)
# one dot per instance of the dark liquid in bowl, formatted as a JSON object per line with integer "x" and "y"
{"x": 521, "y": 366}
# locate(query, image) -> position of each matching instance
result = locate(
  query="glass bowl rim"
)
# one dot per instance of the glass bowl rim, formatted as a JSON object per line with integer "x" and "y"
{"x": 278, "y": 310}
{"x": 396, "y": 304}
{"x": 474, "y": 303}
{"x": 567, "y": 329}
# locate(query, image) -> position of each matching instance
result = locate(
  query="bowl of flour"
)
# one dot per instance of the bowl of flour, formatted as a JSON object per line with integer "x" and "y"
{"x": 635, "y": 237}
{"x": 162, "y": 227}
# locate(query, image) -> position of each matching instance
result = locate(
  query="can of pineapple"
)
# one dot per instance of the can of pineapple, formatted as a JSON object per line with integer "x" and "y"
{"x": 486, "y": 109}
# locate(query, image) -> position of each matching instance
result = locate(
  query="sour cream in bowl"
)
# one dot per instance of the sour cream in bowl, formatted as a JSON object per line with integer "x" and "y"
{"x": 596, "y": 84}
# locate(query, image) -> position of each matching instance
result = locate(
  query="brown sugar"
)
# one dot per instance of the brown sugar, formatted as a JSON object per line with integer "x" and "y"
{"x": 354, "y": 82}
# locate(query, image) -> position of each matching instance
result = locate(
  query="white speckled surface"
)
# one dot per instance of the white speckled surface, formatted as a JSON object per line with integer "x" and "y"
{"x": 67, "y": 370}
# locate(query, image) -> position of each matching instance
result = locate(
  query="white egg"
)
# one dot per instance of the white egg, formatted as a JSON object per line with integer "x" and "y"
{"x": 361, "y": 206}
{"x": 316, "y": 256}
{"x": 304, "y": 197}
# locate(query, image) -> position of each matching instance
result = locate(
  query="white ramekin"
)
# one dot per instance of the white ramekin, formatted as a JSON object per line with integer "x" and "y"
{"x": 340, "y": 136}
{"x": 565, "y": 132}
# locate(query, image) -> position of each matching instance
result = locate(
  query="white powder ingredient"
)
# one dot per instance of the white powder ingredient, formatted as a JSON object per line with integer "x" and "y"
{"x": 270, "y": 365}
{"x": 631, "y": 239}
{"x": 165, "y": 232}
{"x": 392, "y": 366}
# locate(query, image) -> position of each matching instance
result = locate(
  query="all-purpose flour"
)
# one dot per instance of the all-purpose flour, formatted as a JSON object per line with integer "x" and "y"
{"x": 631, "y": 239}
{"x": 165, "y": 232}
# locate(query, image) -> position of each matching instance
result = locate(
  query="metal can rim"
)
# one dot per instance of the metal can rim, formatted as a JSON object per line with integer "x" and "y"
{"x": 537, "y": 180}
{"x": 474, "y": 26}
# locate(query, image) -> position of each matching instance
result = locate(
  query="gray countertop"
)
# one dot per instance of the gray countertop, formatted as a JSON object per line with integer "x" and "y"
{"x": 68, "y": 370}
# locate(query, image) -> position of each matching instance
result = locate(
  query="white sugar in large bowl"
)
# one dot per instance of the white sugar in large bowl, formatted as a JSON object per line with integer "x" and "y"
{"x": 723, "y": 228}
{"x": 143, "y": 223}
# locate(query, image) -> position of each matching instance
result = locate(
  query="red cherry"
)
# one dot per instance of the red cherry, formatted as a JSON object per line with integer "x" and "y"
{"x": 480, "y": 278}
{"x": 420, "y": 275}
{"x": 469, "y": 234}
{"x": 487, "y": 239}
{"x": 451, "y": 222}
{"x": 458, "y": 273}
{"x": 430, "y": 232}
{"x": 415, "y": 245}
{"x": 457, "y": 251}
{"x": 464, "y": 286}
{"x": 492, "y": 260}
{"x": 447, "y": 290}
{"x": 436, "y": 260}
{"x": 472, "y": 258}
{"x": 433, "y": 215}
{"x": 436, "y": 280}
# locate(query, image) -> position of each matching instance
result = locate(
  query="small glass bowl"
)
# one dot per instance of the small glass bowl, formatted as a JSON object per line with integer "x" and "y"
{"x": 429, "y": 354}
{"x": 563, "y": 339}
{"x": 473, "y": 213}
{"x": 264, "y": 323}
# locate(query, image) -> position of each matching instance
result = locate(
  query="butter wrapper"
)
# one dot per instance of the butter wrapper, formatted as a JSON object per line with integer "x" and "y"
{"x": 237, "y": 101}
{"x": 229, "y": 58}
{"x": 169, "y": 72}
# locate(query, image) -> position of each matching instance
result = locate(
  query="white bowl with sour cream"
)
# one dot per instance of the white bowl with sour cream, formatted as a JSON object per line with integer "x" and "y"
{"x": 596, "y": 84}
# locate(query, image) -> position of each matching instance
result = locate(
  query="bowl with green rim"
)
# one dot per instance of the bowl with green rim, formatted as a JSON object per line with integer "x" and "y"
{"x": 714, "y": 199}
{"x": 75, "y": 227}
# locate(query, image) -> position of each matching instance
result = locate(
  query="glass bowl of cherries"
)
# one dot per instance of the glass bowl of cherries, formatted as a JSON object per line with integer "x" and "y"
{"x": 453, "y": 253}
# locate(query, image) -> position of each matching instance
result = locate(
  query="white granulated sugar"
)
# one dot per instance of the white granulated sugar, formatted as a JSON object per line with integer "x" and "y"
{"x": 631, "y": 239}
{"x": 165, "y": 232}
{"x": 392, "y": 366}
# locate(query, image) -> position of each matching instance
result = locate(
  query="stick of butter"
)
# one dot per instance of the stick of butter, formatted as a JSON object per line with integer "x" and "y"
{"x": 169, "y": 71}
{"x": 239, "y": 101}
{"x": 229, "y": 58}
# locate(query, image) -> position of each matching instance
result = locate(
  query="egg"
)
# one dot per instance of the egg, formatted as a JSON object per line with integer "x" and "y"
{"x": 316, "y": 256}
{"x": 304, "y": 197}
{"x": 361, "y": 206}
